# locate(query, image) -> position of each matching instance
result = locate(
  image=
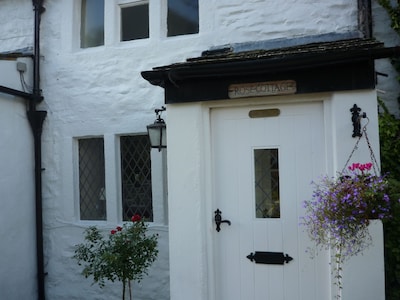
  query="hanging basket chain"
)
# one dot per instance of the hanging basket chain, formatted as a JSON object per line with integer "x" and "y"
{"x": 371, "y": 152}
{"x": 351, "y": 154}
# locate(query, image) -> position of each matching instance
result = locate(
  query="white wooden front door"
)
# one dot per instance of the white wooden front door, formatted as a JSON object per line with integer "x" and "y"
{"x": 263, "y": 166}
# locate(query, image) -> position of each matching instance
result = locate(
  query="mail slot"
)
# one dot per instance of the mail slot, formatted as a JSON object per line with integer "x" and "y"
{"x": 269, "y": 258}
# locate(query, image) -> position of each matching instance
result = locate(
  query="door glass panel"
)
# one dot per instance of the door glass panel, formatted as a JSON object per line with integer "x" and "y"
{"x": 266, "y": 179}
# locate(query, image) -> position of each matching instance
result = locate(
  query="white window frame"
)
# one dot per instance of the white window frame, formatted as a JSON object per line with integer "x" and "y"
{"x": 123, "y": 4}
{"x": 76, "y": 180}
{"x": 113, "y": 182}
{"x": 115, "y": 19}
{"x": 158, "y": 182}
{"x": 158, "y": 11}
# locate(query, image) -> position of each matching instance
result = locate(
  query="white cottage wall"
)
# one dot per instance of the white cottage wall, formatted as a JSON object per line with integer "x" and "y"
{"x": 187, "y": 186}
{"x": 363, "y": 276}
{"x": 17, "y": 213}
{"x": 99, "y": 92}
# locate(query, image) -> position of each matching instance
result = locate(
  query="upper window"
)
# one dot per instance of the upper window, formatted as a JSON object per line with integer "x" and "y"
{"x": 135, "y": 22}
{"x": 92, "y": 23}
{"x": 183, "y": 17}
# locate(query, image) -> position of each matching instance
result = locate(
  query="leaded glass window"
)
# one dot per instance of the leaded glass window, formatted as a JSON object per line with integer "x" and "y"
{"x": 92, "y": 198}
{"x": 266, "y": 178}
{"x": 136, "y": 177}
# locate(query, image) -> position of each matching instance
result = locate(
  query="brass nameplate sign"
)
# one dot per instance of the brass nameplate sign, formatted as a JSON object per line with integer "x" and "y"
{"x": 264, "y": 113}
{"x": 267, "y": 88}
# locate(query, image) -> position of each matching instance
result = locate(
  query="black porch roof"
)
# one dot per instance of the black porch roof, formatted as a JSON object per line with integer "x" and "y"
{"x": 226, "y": 62}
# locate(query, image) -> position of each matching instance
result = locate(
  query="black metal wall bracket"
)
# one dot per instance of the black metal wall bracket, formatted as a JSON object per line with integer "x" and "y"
{"x": 356, "y": 119}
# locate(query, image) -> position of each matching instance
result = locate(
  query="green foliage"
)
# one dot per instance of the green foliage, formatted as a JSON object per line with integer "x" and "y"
{"x": 124, "y": 256}
{"x": 392, "y": 247}
{"x": 389, "y": 130}
{"x": 394, "y": 13}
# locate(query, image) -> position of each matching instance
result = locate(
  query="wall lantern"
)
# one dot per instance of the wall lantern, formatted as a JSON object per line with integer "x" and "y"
{"x": 158, "y": 131}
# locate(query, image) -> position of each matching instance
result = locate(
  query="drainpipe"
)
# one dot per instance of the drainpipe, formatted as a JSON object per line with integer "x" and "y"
{"x": 36, "y": 119}
{"x": 365, "y": 18}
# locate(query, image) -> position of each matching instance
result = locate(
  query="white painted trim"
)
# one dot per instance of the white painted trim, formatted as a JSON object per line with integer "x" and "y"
{"x": 112, "y": 174}
{"x": 159, "y": 186}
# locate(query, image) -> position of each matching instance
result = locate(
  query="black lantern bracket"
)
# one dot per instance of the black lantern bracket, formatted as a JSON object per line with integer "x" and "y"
{"x": 158, "y": 112}
{"x": 356, "y": 116}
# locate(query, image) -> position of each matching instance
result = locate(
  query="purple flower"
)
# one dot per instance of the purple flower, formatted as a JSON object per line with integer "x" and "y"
{"x": 337, "y": 215}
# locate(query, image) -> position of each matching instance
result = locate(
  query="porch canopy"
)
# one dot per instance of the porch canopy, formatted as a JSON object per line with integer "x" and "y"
{"x": 346, "y": 64}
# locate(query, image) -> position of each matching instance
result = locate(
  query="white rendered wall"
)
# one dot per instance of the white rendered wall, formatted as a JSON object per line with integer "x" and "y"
{"x": 190, "y": 220}
{"x": 99, "y": 92}
{"x": 363, "y": 275}
{"x": 17, "y": 212}
{"x": 16, "y": 24}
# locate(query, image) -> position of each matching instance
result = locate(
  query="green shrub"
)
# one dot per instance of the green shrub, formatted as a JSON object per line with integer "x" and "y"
{"x": 389, "y": 131}
{"x": 124, "y": 255}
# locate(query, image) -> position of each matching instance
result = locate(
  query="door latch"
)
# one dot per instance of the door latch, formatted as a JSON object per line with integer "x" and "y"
{"x": 218, "y": 220}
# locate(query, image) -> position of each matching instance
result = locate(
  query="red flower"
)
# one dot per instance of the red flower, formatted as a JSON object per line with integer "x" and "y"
{"x": 119, "y": 228}
{"x": 113, "y": 231}
{"x": 136, "y": 218}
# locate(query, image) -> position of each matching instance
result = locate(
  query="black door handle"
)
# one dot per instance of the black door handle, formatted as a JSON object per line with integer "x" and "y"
{"x": 218, "y": 220}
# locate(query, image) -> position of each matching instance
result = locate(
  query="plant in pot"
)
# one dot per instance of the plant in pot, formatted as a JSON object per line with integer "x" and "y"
{"x": 124, "y": 255}
{"x": 338, "y": 215}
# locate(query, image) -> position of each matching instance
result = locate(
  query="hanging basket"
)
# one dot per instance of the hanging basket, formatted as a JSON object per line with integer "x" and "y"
{"x": 339, "y": 213}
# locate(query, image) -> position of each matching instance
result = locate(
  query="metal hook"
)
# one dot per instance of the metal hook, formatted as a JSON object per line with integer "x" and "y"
{"x": 364, "y": 129}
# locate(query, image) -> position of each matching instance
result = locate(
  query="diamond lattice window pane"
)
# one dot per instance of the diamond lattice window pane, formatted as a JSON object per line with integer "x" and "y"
{"x": 266, "y": 177}
{"x": 92, "y": 179}
{"x": 136, "y": 177}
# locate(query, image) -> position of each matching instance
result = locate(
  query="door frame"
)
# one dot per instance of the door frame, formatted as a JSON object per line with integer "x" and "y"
{"x": 209, "y": 186}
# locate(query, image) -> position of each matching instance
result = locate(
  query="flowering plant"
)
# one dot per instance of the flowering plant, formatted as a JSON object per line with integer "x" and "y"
{"x": 337, "y": 216}
{"x": 124, "y": 256}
